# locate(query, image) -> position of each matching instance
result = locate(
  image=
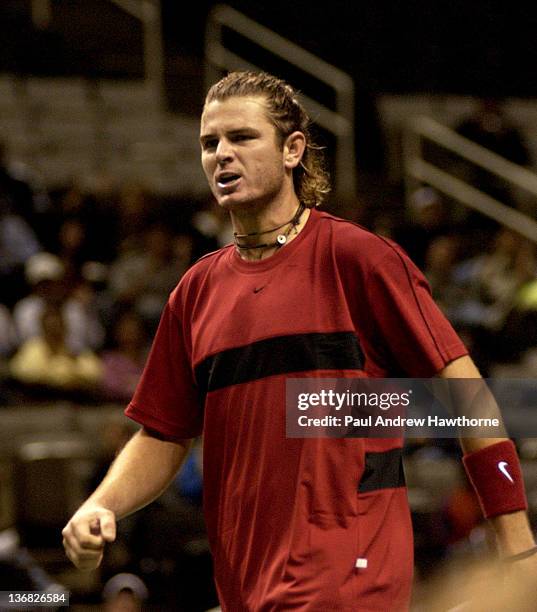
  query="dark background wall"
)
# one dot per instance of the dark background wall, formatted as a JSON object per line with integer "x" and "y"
{"x": 476, "y": 47}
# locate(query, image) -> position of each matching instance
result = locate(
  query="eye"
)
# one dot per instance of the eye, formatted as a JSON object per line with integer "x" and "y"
{"x": 242, "y": 137}
{"x": 209, "y": 144}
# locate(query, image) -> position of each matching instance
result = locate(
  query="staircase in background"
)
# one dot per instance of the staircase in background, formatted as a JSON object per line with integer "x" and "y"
{"x": 82, "y": 95}
{"x": 72, "y": 128}
{"x": 413, "y": 121}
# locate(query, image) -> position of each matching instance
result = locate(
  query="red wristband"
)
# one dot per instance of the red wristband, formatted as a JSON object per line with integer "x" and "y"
{"x": 495, "y": 474}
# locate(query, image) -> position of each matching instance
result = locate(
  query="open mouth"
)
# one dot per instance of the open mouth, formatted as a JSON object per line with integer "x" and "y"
{"x": 225, "y": 181}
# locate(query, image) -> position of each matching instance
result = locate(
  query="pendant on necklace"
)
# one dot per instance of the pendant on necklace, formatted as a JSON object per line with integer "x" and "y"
{"x": 281, "y": 239}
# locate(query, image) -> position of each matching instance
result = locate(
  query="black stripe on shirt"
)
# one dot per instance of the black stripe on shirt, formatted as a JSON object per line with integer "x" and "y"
{"x": 280, "y": 355}
{"x": 383, "y": 470}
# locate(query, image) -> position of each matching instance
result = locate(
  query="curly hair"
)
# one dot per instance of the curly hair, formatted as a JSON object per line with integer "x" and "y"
{"x": 310, "y": 177}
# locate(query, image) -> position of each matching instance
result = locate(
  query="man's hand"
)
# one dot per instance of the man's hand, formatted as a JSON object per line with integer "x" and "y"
{"x": 139, "y": 474}
{"x": 86, "y": 534}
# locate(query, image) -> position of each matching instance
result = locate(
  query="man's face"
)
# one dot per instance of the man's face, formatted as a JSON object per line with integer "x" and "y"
{"x": 240, "y": 153}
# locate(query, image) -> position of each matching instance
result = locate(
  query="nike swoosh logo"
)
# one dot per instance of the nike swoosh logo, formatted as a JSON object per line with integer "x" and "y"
{"x": 502, "y": 466}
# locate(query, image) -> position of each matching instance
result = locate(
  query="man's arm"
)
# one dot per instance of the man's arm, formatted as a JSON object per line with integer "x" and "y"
{"x": 512, "y": 530}
{"x": 140, "y": 473}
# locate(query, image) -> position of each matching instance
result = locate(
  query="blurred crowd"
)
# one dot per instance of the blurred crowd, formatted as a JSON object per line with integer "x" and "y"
{"x": 85, "y": 273}
{"x": 483, "y": 278}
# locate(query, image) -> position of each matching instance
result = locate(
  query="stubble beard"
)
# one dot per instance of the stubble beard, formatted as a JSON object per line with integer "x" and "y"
{"x": 268, "y": 196}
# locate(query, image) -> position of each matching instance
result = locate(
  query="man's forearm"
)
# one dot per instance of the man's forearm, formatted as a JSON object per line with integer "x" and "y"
{"x": 512, "y": 529}
{"x": 513, "y": 533}
{"x": 140, "y": 473}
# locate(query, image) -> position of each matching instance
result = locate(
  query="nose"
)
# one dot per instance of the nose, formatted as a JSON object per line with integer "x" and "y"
{"x": 224, "y": 151}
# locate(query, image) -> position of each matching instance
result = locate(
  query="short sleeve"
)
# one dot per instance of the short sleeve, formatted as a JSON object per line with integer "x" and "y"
{"x": 419, "y": 338}
{"x": 166, "y": 398}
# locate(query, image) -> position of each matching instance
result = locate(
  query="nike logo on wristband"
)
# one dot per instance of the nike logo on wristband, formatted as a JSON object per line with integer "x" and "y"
{"x": 502, "y": 466}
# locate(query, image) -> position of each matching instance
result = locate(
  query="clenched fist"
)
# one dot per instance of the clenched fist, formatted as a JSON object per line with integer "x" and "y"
{"x": 86, "y": 534}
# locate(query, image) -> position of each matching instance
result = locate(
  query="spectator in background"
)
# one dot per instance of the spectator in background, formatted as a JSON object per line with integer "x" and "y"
{"x": 94, "y": 208}
{"x": 46, "y": 360}
{"x": 439, "y": 269}
{"x": 123, "y": 364}
{"x": 189, "y": 479}
{"x": 45, "y": 275}
{"x": 144, "y": 276}
{"x": 124, "y": 592}
{"x": 72, "y": 248}
{"x": 491, "y": 284}
{"x": 428, "y": 219}
{"x": 520, "y": 326}
{"x": 493, "y": 279}
{"x": 23, "y": 199}
{"x": 82, "y": 311}
{"x": 18, "y": 242}
{"x": 132, "y": 214}
{"x": 8, "y": 338}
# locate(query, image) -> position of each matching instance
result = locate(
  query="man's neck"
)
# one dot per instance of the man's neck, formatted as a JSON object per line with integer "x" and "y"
{"x": 262, "y": 229}
{"x": 259, "y": 217}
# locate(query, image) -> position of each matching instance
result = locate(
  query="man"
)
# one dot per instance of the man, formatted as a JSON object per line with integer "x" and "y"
{"x": 316, "y": 524}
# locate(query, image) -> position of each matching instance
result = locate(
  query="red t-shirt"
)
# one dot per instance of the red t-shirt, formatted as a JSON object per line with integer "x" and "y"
{"x": 296, "y": 524}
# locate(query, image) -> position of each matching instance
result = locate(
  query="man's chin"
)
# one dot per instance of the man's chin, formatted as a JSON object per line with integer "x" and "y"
{"x": 233, "y": 202}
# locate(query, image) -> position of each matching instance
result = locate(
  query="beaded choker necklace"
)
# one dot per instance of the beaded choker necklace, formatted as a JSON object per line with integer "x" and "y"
{"x": 281, "y": 239}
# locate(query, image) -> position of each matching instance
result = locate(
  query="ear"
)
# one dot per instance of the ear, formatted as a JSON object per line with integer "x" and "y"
{"x": 293, "y": 149}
